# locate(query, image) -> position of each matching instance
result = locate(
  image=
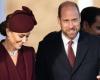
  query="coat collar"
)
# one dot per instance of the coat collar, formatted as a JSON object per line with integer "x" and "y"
{"x": 28, "y": 58}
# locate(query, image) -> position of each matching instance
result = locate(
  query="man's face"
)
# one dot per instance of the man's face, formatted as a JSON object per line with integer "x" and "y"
{"x": 70, "y": 21}
{"x": 95, "y": 27}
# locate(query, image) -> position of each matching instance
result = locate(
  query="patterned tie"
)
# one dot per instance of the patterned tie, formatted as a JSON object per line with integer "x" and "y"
{"x": 71, "y": 56}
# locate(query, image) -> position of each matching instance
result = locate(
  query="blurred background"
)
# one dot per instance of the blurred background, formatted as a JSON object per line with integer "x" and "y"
{"x": 45, "y": 12}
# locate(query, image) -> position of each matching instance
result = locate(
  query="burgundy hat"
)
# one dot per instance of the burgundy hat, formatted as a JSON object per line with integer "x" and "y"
{"x": 21, "y": 21}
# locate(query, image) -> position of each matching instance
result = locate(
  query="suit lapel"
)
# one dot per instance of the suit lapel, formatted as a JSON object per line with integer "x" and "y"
{"x": 63, "y": 56}
{"x": 82, "y": 49}
{"x": 64, "y": 59}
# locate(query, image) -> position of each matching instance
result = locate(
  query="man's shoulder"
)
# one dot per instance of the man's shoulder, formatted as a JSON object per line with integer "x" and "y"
{"x": 51, "y": 36}
{"x": 90, "y": 38}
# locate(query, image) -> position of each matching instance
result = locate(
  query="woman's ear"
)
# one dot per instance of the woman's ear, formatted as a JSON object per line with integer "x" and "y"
{"x": 8, "y": 31}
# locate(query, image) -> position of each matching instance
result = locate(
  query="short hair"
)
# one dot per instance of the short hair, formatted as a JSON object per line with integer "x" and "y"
{"x": 66, "y": 3}
{"x": 89, "y": 14}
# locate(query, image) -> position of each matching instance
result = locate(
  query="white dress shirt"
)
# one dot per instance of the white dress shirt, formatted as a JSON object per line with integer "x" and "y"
{"x": 74, "y": 45}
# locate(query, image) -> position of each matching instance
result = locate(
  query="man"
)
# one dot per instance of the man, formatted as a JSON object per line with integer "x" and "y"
{"x": 57, "y": 59}
{"x": 90, "y": 20}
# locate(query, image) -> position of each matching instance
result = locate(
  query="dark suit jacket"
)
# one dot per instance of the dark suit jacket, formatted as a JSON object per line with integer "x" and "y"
{"x": 29, "y": 59}
{"x": 52, "y": 62}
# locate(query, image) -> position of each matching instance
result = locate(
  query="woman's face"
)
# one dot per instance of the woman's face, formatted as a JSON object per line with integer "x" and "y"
{"x": 16, "y": 40}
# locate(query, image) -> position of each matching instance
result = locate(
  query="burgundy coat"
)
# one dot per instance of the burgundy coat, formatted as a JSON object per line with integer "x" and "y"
{"x": 8, "y": 70}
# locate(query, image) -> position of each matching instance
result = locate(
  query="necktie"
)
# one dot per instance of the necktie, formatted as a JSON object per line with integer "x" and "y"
{"x": 71, "y": 56}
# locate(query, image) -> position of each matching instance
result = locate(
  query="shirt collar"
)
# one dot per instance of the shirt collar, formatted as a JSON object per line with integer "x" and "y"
{"x": 66, "y": 39}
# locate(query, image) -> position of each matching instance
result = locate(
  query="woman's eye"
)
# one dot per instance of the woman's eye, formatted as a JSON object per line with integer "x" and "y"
{"x": 27, "y": 36}
{"x": 21, "y": 36}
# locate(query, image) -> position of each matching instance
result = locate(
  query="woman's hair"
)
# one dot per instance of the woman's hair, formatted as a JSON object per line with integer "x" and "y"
{"x": 4, "y": 25}
{"x": 3, "y": 28}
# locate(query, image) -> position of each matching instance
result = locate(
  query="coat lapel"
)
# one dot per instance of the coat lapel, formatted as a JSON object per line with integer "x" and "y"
{"x": 63, "y": 56}
{"x": 28, "y": 64}
{"x": 3, "y": 66}
{"x": 7, "y": 66}
{"x": 64, "y": 60}
{"x": 82, "y": 49}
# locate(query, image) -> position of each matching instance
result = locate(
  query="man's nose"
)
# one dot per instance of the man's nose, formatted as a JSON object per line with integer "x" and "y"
{"x": 70, "y": 24}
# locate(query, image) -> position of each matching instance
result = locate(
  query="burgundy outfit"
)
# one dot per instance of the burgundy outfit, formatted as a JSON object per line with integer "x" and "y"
{"x": 23, "y": 70}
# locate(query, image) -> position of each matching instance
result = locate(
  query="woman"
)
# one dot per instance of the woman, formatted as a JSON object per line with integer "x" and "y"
{"x": 16, "y": 60}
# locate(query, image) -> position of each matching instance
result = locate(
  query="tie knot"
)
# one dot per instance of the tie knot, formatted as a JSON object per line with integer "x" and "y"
{"x": 70, "y": 42}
